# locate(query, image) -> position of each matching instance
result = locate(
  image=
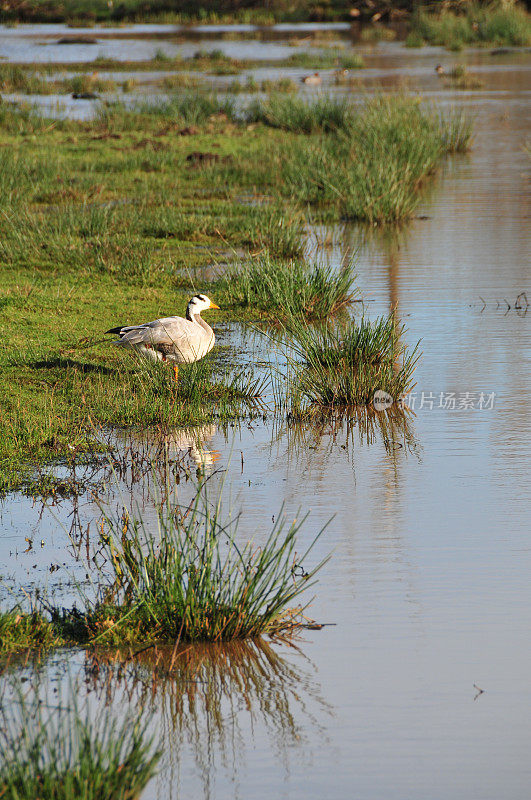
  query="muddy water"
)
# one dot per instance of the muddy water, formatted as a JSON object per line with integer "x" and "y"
{"x": 428, "y": 587}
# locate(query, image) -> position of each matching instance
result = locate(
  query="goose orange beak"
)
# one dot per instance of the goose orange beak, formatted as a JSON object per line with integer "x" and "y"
{"x": 213, "y": 305}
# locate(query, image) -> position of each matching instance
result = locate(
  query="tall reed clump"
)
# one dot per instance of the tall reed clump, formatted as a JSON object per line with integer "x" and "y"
{"x": 342, "y": 365}
{"x": 285, "y": 289}
{"x": 191, "y": 580}
{"x": 494, "y": 23}
{"x": 51, "y": 750}
{"x": 374, "y": 168}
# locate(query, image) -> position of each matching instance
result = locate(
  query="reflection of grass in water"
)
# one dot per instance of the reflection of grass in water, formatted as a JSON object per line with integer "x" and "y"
{"x": 206, "y": 694}
{"x": 363, "y": 427}
{"x": 51, "y": 750}
{"x": 342, "y": 365}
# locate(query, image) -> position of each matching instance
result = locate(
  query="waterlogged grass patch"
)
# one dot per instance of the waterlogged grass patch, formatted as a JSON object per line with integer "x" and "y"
{"x": 51, "y": 749}
{"x": 189, "y": 578}
{"x": 52, "y": 411}
{"x": 119, "y": 212}
{"x": 342, "y": 365}
{"x": 460, "y": 78}
{"x": 326, "y": 59}
{"x": 183, "y": 108}
{"x": 284, "y": 289}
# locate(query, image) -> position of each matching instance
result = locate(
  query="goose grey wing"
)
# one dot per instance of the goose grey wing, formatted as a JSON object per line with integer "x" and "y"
{"x": 169, "y": 335}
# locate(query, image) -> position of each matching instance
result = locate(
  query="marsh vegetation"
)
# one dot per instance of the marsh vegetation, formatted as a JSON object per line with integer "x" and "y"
{"x": 52, "y": 749}
{"x": 115, "y": 214}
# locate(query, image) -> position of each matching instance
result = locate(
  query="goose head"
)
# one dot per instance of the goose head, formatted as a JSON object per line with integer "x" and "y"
{"x": 199, "y": 303}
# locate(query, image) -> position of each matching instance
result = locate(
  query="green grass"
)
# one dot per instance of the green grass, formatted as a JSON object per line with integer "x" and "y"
{"x": 192, "y": 579}
{"x": 20, "y": 630}
{"x": 374, "y": 168}
{"x": 187, "y": 578}
{"x": 52, "y": 750}
{"x": 78, "y": 392}
{"x": 326, "y": 59}
{"x": 183, "y": 108}
{"x": 14, "y": 78}
{"x": 460, "y": 78}
{"x": 107, "y": 221}
{"x": 285, "y": 289}
{"x": 83, "y": 12}
{"x": 251, "y": 86}
{"x": 493, "y": 23}
{"x": 89, "y": 83}
{"x": 342, "y": 365}
{"x": 325, "y": 113}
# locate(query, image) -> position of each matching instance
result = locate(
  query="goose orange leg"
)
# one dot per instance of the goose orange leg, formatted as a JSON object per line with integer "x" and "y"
{"x": 175, "y": 373}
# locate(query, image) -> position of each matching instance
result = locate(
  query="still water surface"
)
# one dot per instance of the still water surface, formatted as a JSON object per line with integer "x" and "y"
{"x": 428, "y": 587}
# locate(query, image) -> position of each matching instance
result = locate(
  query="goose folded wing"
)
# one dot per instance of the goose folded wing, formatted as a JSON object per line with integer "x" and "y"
{"x": 167, "y": 335}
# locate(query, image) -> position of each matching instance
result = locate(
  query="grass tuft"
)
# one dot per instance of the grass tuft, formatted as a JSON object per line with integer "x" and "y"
{"x": 20, "y": 630}
{"x": 191, "y": 580}
{"x": 373, "y": 169}
{"x": 343, "y": 365}
{"x": 284, "y": 289}
{"x": 325, "y": 113}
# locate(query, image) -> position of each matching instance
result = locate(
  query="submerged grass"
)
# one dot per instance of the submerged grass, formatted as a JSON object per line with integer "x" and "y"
{"x": 285, "y": 289}
{"x": 50, "y": 749}
{"x": 342, "y": 365}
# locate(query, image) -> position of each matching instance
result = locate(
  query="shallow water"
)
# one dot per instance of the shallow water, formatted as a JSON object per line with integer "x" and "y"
{"x": 428, "y": 587}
